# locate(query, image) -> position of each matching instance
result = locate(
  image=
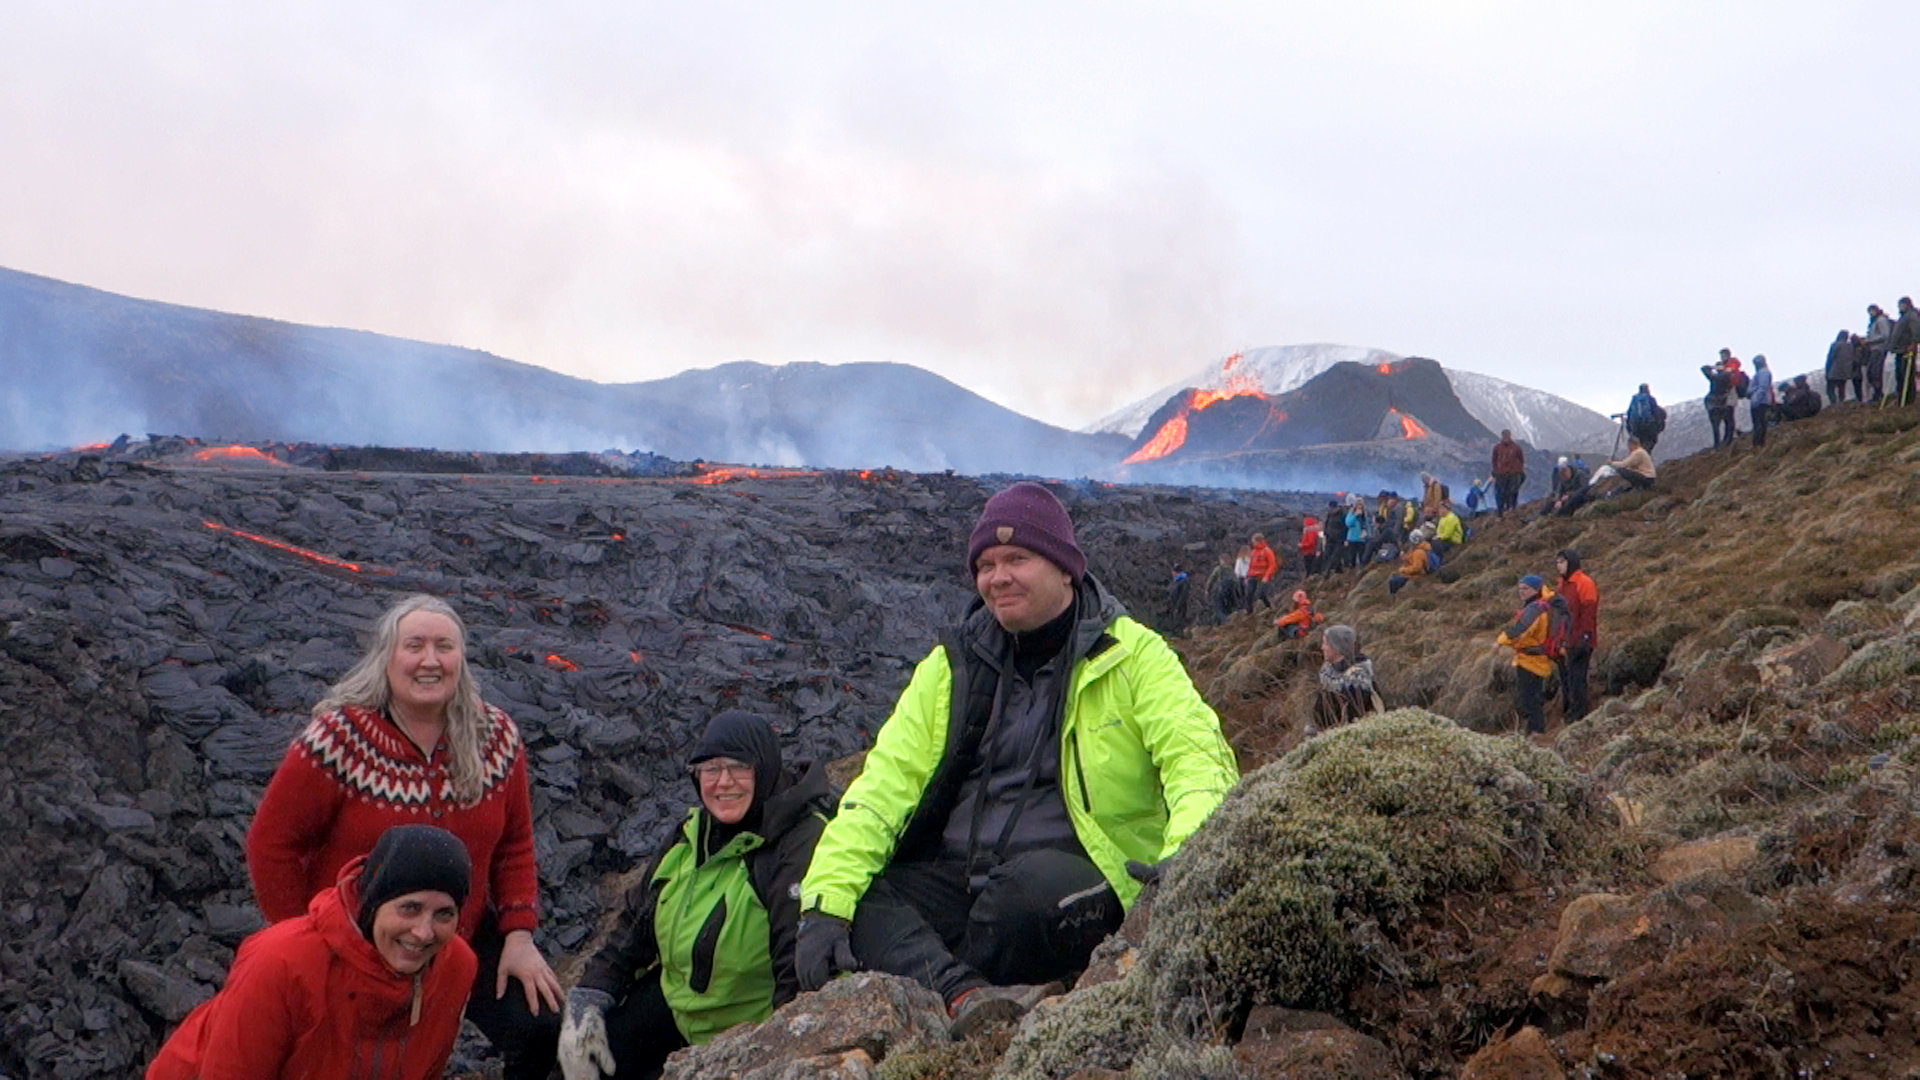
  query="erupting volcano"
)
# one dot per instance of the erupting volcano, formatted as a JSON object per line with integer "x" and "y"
{"x": 1170, "y": 431}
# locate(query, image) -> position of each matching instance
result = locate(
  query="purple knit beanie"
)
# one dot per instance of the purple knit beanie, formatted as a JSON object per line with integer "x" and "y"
{"x": 1027, "y": 515}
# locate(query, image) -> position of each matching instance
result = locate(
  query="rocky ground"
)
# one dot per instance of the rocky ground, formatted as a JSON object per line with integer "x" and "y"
{"x": 169, "y": 612}
{"x": 1711, "y": 875}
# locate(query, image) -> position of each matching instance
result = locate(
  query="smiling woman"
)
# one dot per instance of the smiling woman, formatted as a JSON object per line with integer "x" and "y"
{"x": 404, "y": 737}
{"x": 372, "y": 972}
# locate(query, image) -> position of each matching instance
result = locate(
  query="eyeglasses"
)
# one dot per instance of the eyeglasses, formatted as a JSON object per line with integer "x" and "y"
{"x": 711, "y": 770}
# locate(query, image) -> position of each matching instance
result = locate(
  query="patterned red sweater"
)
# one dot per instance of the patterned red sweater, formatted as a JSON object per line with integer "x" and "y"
{"x": 352, "y": 774}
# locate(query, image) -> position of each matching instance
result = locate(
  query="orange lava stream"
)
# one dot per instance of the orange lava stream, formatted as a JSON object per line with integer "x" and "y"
{"x": 282, "y": 545}
{"x": 236, "y": 453}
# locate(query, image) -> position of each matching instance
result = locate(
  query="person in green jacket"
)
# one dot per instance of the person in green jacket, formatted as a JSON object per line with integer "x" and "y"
{"x": 705, "y": 938}
{"x": 1448, "y": 532}
{"x": 1045, "y": 758}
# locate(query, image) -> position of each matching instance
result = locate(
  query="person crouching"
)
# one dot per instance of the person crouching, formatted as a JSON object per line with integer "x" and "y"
{"x": 375, "y": 970}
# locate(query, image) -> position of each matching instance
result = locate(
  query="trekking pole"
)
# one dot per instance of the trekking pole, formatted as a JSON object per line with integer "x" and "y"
{"x": 1615, "y": 456}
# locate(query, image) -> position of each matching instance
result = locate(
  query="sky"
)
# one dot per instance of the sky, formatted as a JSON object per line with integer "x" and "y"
{"x": 1062, "y": 206}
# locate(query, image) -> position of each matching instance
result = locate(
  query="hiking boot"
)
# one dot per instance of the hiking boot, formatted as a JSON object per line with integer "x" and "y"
{"x": 985, "y": 1006}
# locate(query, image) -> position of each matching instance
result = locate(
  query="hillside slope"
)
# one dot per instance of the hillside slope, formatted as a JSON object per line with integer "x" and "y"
{"x": 1743, "y": 905}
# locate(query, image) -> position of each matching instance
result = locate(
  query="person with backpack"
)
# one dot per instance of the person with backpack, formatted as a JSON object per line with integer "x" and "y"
{"x": 1509, "y": 473}
{"x": 1527, "y": 636}
{"x": 1760, "y": 400}
{"x": 1719, "y": 399}
{"x": 1414, "y": 562}
{"x": 1645, "y": 418}
{"x": 1477, "y": 493}
{"x": 1179, "y": 591}
{"x": 1843, "y": 366}
{"x": 1574, "y": 651}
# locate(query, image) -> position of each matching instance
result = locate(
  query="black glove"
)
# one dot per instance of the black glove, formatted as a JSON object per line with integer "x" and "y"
{"x": 822, "y": 946}
{"x": 1145, "y": 873}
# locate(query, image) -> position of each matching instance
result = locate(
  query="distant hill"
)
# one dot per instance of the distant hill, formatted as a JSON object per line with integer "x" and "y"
{"x": 83, "y": 366}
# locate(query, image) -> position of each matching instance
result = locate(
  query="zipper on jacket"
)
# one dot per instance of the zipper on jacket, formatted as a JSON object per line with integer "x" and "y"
{"x": 704, "y": 948}
{"x": 1080, "y": 774}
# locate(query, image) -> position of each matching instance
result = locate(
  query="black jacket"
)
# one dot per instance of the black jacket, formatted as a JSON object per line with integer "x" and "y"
{"x": 790, "y": 820}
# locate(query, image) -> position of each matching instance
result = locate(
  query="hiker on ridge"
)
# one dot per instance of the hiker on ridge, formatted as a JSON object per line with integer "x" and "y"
{"x": 404, "y": 737}
{"x": 1045, "y": 759}
{"x": 1903, "y": 343}
{"x": 1509, "y": 473}
{"x": 1526, "y": 635}
{"x": 1582, "y": 633}
{"x": 1873, "y": 349}
{"x": 704, "y": 939}
{"x": 1636, "y": 469}
{"x": 1843, "y": 366}
{"x": 1260, "y": 570}
{"x": 1719, "y": 399}
{"x": 1760, "y": 399}
{"x": 374, "y": 970}
{"x": 1645, "y": 419}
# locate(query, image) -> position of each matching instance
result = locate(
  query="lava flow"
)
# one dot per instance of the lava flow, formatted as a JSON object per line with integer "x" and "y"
{"x": 724, "y": 473}
{"x": 282, "y": 545}
{"x": 237, "y": 453}
{"x": 1409, "y": 427}
{"x": 1173, "y": 433}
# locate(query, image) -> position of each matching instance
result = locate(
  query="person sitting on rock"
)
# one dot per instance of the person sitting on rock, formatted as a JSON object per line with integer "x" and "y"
{"x": 1569, "y": 487}
{"x": 704, "y": 939}
{"x": 1448, "y": 532}
{"x": 1301, "y": 620}
{"x": 1413, "y": 562}
{"x": 1346, "y": 690}
{"x": 1044, "y": 760}
{"x": 1636, "y": 471}
{"x": 374, "y": 971}
{"x": 1799, "y": 401}
{"x": 404, "y": 737}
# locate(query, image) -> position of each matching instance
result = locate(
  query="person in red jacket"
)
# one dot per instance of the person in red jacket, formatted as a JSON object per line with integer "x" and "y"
{"x": 1260, "y": 570}
{"x": 1583, "y": 633}
{"x": 405, "y": 738}
{"x": 1509, "y": 473}
{"x": 1301, "y": 620}
{"x": 370, "y": 981}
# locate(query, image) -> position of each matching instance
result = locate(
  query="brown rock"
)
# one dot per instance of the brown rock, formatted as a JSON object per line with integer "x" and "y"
{"x": 1603, "y": 935}
{"x": 1114, "y": 957}
{"x": 1282, "y": 1043}
{"x": 1801, "y": 663}
{"x": 831, "y": 1034}
{"x": 1524, "y": 1055}
{"x": 1728, "y": 854}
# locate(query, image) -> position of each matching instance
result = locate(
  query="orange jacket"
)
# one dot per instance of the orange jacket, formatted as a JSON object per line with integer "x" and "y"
{"x": 1527, "y": 636}
{"x": 1265, "y": 563}
{"x": 1302, "y": 616}
{"x": 1414, "y": 562}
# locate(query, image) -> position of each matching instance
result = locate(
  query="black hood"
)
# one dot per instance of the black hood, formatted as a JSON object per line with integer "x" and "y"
{"x": 747, "y": 737}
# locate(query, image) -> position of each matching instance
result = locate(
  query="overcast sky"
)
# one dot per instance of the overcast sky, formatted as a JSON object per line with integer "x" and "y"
{"x": 1062, "y": 206}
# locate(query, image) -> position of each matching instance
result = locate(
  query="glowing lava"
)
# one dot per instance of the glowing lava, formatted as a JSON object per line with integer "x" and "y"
{"x": 236, "y": 453}
{"x": 561, "y": 663}
{"x": 720, "y": 474}
{"x": 282, "y": 545}
{"x": 1173, "y": 434}
{"x": 1409, "y": 427}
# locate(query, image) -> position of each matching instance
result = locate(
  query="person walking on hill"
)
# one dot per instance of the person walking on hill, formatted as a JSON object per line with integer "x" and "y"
{"x": 1045, "y": 759}
{"x": 1582, "y": 636}
{"x": 1312, "y": 538}
{"x": 1334, "y": 548}
{"x": 1242, "y": 567}
{"x": 1719, "y": 399}
{"x": 1509, "y": 473}
{"x": 1645, "y": 418}
{"x": 1263, "y": 564}
{"x": 1903, "y": 343}
{"x": 1526, "y": 635}
{"x": 1843, "y": 366}
{"x": 1221, "y": 590}
{"x": 1179, "y": 591}
{"x": 1873, "y": 349}
{"x": 1760, "y": 399}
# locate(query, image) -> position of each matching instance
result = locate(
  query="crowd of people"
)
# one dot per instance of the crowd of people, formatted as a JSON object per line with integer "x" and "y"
{"x": 1044, "y": 761}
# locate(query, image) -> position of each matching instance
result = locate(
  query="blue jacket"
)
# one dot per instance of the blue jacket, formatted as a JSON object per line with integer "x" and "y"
{"x": 1760, "y": 390}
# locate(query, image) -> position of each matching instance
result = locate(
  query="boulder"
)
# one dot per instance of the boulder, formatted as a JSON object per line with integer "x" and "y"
{"x": 848, "y": 1025}
{"x": 1800, "y": 663}
{"x": 1280, "y": 1043}
{"x": 1524, "y": 1055}
{"x": 1603, "y": 935}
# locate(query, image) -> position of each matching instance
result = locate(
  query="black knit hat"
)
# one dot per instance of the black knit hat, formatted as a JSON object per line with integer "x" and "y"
{"x": 1029, "y": 516}
{"x": 413, "y": 858}
{"x": 746, "y": 737}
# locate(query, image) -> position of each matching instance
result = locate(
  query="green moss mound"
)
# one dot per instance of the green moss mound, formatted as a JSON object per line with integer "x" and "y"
{"x": 1103, "y": 1027}
{"x": 1270, "y": 902}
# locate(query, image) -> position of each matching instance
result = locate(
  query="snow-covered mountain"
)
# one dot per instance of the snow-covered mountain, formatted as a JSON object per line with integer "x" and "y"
{"x": 1534, "y": 416}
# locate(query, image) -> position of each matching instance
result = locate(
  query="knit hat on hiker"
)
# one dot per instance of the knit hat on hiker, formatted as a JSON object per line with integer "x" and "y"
{"x": 409, "y": 859}
{"x": 1532, "y": 581}
{"x": 1029, "y": 516}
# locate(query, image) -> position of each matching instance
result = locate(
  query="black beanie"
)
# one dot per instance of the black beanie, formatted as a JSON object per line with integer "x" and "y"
{"x": 744, "y": 737}
{"x": 409, "y": 859}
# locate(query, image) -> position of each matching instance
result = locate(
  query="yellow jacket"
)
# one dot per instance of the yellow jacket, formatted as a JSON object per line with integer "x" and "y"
{"x": 1527, "y": 636}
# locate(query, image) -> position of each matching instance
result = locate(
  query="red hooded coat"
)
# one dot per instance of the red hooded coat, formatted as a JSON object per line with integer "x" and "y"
{"x": 311, "y": 999}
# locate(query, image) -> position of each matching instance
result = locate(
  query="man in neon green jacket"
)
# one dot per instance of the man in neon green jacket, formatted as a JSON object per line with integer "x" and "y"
{"x": 1046, "y": 754}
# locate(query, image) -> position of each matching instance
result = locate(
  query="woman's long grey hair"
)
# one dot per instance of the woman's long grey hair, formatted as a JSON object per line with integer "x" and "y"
{"x": 365, "y": 685}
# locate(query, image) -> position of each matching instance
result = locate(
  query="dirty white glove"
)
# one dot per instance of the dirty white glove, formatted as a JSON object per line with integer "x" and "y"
{"x": 584, "y": 1053}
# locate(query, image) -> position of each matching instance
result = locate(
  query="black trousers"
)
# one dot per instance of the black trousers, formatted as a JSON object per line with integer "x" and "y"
{"x": 1876, "y": 372}
{"x": 1574, "y": 700}
{"x": 527, "y": 1043}
{"x": 1760, "y": 414}
{"x": 1506, "y": 491}
{"x": 1036, "y": 919}
{"x": 1530, "y": 691}
{"x": 1721, "y": 418}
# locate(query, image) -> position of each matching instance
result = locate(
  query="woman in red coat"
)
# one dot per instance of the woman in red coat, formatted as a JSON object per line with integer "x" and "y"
{"x": 404, "y": 737}
{"x": 370, "y": 982}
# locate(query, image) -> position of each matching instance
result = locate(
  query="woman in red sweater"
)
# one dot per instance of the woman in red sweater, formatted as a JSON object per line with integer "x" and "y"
{"x": 371, "y": 980}
{"x": 405, "y": 738}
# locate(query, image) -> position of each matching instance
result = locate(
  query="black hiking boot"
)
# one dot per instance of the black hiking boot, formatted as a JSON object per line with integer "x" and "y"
{"x": 985, "y": 1006}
